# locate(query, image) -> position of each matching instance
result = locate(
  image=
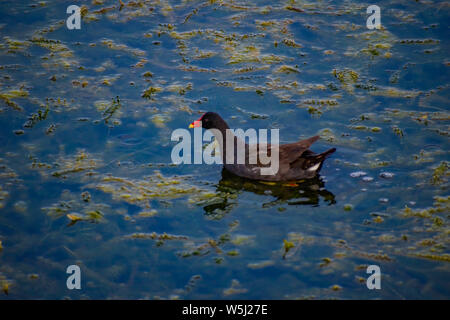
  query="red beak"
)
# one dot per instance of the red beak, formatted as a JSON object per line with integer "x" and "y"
{"x": 196, "y": 124}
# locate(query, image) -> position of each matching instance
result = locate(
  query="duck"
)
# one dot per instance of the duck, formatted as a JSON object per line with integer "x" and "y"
{"x": 295, "y": 160}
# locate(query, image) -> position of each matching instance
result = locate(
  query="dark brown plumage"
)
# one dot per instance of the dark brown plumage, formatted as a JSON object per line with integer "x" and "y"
{"x": 296, "y": 161}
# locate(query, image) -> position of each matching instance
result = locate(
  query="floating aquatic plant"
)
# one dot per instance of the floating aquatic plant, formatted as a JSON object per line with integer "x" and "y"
{"x": 109, "y": 112}
{"x": 148, "y": 93}
{"x": 8, "y": 97}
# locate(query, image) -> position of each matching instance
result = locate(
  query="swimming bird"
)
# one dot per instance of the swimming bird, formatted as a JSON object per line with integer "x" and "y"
{"x": 295, "y": 160}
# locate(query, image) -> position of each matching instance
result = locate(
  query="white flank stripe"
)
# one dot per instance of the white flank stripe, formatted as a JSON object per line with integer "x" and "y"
{"x": 314, "y": 167}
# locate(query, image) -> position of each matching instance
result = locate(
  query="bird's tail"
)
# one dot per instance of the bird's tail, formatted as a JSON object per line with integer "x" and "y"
{"x": 326, "y": 153}
{"x": 315, "y": 161}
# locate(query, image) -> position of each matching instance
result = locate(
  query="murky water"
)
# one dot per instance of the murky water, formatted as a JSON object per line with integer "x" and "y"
{"x": 86, "y": 175}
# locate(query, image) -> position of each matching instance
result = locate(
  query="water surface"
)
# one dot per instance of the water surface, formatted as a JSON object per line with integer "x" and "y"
{"x": 85, "y": 170}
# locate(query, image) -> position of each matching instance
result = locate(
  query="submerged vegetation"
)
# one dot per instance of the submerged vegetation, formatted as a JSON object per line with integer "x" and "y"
{"x": 140, "y": 192}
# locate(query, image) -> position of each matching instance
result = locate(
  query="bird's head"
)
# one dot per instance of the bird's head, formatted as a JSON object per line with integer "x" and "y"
{"x": 209, "y": 120}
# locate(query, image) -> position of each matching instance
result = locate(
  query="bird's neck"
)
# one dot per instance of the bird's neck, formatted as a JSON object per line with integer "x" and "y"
{"x": 228, "y": 142}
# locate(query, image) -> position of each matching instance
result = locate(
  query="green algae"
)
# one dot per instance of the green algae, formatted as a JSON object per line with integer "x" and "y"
{"x": 336, "y": 287}
{"x": 419, "y": 41}
{"x": 378, "y": 219}
{"x": 440, "y": 174}
{"x": 216, "y": 246}
{"x": 14, "y": 45}
{"x": 291, "y": 43}
{"x": 318, "y": 106}
{"x": 6, "y": 286}
{"x": 233, "y": 253}
{"x": 440, "y": 205}
{"x": 76, "y": 210}
{"x": 179, "y": 88}
{"x": 148, "y": 214}
{"x": 397, "y": 131}
{"x": 443, "y": 257}
{"x": 394, "y": 93}
{"x": 325, "y": 262}
{"x": 36, "y": 117}
{"x": 348, "y": 207}
{"x": 53, "y": 46}
{"x": 111, "y": 44}
{"x": 66, "y": 166}
{"x": 234, "y": 289}
{"x": 156, "y": 236}
{"x": 93, "y": 216}
{"x": 58, "y": 209}
{"x": 8, "y": 96}
{"x": 375, "y": 129}
{"x": 328, "y": 135}
{"x": 321, "y": 102}
{"x": 286, "y": 69}
{"x": 365, "y": 128}
{"x": 241, "y": 239}
{"x": 149, "y": 92}
{"x": 287, "y": 245}
{"x": 147, "y": 74}
{"x": 374, "y": 256}
{"x": 141, "y": 191}
{"x": 250, "y": 69}
{"x": 261, "y": 264}
{"x": 160, "y": 120}
{"x": 80, "y": 163}
{"x": 111, "y": 110}
{"x": 437, "y": 217}
{"x": 378, "y": 49}
{"x": 60, "y": 55}
{"x": 347, "y": 78}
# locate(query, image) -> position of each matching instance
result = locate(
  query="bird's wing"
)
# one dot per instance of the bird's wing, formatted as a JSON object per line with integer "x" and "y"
{"x": 292, "y": 151}
{"x": 288, "y": 153}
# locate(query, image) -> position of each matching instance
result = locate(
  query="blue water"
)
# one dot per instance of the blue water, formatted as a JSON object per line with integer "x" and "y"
{"x": 85, "y": 166}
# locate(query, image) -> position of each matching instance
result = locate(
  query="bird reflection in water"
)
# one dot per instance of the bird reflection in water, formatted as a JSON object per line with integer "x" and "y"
{"x": 303, "y": 192}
